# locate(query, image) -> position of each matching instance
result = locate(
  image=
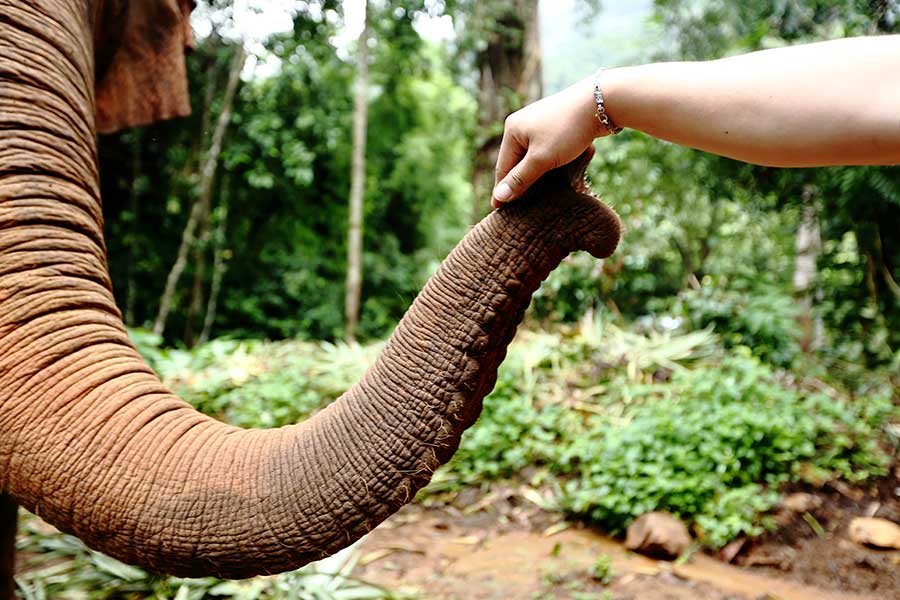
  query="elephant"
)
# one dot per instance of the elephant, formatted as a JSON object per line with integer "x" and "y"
{"x": 91, "y": 440}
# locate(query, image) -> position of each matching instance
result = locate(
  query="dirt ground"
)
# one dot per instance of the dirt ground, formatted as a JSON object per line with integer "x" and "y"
{"x": 797, "y": 550}
{"x": 500, "y": 546}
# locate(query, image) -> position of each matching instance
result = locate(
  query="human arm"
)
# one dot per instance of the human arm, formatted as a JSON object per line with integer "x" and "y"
{"x": 828, "y": 103}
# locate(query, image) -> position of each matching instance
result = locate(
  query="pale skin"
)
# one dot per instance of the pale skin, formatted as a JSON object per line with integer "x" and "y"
{"x": 823, "y": 104}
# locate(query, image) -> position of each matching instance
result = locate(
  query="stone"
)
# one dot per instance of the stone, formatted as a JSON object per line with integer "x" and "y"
{"x": 801, "y": 503}
{"x": 880, "y": 533}
{"x": 658, "y": 534}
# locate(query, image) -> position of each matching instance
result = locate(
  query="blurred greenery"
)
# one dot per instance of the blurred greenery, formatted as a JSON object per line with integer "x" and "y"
{"x": 285, "y": 173}
{"x": 686, "y": 373}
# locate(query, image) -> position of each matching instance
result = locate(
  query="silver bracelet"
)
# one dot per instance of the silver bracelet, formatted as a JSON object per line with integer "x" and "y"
{"x": 604, "y": 118}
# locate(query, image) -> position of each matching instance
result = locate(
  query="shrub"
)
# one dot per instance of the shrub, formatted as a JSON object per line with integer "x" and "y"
{"x": 763, "y": 318}
{"x": 710, "y": 446}
{"x": 573, "y": 289}
{"x": 705, "y": 450}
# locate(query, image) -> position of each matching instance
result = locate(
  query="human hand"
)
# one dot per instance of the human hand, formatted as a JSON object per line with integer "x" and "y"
{"x": 544, "y": 135}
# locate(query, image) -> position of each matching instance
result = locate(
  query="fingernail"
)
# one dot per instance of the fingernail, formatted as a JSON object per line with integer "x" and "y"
{"x": 503, "y": 192}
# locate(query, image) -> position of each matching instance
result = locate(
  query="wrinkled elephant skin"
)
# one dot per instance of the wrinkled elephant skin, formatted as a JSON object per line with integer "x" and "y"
{"x": 92, "y": 441}
{"x": 140, "y": 72}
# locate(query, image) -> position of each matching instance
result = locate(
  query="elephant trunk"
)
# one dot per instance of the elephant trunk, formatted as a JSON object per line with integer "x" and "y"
{"x": 92, "y": 441}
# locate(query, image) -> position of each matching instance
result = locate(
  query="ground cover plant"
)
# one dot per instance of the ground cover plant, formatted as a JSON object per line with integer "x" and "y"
{"x": 62, "y": 568}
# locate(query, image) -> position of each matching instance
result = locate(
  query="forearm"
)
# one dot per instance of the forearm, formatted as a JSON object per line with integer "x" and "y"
{"x": 831, "y": 103}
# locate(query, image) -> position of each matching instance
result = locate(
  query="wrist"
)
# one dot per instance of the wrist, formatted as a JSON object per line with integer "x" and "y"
{"x": 586, "y": 94}
{"x": 609, "y": 127}
{"x": 609, "y": 81}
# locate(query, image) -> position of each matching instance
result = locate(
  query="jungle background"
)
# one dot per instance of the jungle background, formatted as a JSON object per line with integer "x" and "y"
{"x": 742, "y": 344}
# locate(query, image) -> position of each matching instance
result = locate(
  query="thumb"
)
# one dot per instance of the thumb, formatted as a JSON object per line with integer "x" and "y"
{"x": 518, "y": 180}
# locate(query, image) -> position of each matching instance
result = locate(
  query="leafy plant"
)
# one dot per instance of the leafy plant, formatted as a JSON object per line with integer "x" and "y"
{"x": 602, "y": 570}
{"x": 761, "y": 318}
{"x": 711, "y": 444}
{"x": 265, "y": 384}
{"x": 61, "y": 567}
{"x": 704, "y": 450}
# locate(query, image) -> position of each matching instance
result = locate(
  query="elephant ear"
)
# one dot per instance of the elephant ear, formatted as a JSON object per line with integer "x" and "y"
{"x": 140, "y": 73}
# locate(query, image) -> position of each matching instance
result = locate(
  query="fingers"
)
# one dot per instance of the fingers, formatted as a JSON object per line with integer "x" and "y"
{"x": 511, "y": 152}
{"x": 516, "y": 166}
{"x": 519, "y": 179}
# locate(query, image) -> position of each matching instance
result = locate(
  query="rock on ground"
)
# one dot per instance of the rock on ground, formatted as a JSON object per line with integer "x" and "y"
{"x": 875, "y": 532}
{"x": 801, "y": 503}
{"x": 658, "y": 534}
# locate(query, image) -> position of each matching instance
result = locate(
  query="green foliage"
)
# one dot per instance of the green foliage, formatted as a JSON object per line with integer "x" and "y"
{"x": 712, "y": 240}
{"x": 290, "y": 279}
{"x": 710, "y": 28}
{"x": 593, "y": 409}
{"x": 735, "y": 512}
{"x": 572, "y": 290}
{"x": 285, "y": 173}
{"x": 764, "y": 319}
{"x": 149, "y": 345}
{"x": 265, "y": 384}
{"x": 858, "y": 299}
{"x": 861, "y": 303}
{"x": 602, "y": 570}
{"x": 690, "y": 221}
{"x": 61, "y": 567}
{"x": 512, "y": 434}
{"x": 705, "y": 445}
{"x": 689, "y": 218}
{"x": 619, "y": 423}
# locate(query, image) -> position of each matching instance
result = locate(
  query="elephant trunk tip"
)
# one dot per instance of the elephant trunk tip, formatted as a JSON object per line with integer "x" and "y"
{"x": 583, "y": 221}
{"x": 600, "y": 230}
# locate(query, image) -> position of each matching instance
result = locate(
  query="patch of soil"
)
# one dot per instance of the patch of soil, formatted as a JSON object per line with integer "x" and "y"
{"x": 813, "y": 546}
{"x": 444, "y": 556}
{"x": 501, "y": 546}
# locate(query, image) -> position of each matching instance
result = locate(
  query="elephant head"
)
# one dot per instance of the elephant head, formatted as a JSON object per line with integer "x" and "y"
{"x": 140, "y": 75}
{"x": 90, "y": 439}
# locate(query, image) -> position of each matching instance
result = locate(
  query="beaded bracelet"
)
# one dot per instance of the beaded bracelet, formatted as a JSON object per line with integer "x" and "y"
{"x": 604, "y": 118}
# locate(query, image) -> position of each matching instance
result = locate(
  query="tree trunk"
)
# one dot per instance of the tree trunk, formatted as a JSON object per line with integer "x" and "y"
{"x": 686, "y": 253}
{"x": 871, "y": 283}
{"x": 207, "y": 178}
{"x": 808, "y": 247}
{"x": 357, "y": 185}
{"x": 510, "y": 77}
{"x": 891, "y": 283}
{"x": 131, "y": 291}
{"x": 9, "y": 511}
{"x": 219, "y": 267}
{"x": 197, "y": 288}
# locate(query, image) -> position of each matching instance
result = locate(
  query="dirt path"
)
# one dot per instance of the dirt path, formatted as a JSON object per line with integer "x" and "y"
{"x": 515, "y": 553}
{"x": 813, "y": 545}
